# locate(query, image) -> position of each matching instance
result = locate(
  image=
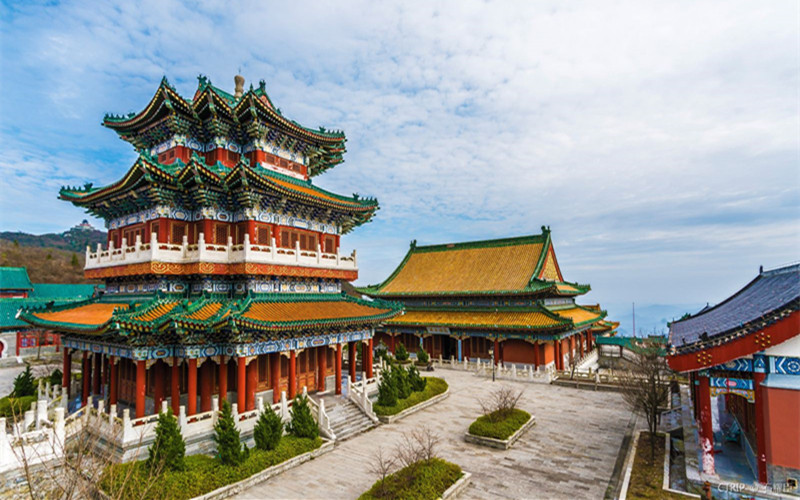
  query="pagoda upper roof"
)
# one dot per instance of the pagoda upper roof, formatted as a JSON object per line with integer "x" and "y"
{"x": 178, "y": 177}
{"x": 265, "y": 312}
{"x": 508, "y": 266}
{"x": 769, "y": 293}
{"x": 213, "y": 112}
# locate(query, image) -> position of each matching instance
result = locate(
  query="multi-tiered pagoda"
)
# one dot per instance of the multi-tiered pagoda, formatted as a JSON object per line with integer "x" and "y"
{"x": 223, "y": 268}
{"x": 507, "y": 297}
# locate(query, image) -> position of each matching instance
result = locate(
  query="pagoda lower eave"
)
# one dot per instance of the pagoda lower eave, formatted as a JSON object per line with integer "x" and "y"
{"x": 217, "y": 269}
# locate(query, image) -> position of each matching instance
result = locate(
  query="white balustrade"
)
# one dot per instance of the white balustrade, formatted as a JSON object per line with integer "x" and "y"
{"x": 185, "y": 253}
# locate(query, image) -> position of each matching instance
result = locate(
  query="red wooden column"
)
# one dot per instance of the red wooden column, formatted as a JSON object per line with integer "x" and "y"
{"x": 163, "y": 230}
{"x": 322, "y": 368}
{"x": 66, "y": 370}
{"x": 536, "y": 354}
{"x": 223, "y": 380}
{"x": 241, "y": 376}
{"x": 98, "y": 368}
{"x": 351, "y": 354}
{"x": 292, "y": 374}
{"x": 208, "y": 233}
{"x": 105, "y": 374}
{"x": 206, "y": 385}
{"x": 19, "y": 338}
{"x": 496, "y": 352}
{"x": 580, "y": 343}
{"x": 87, "y": 374}
{"x": 159, "y": 389}
{"x": 761, "y": 437}
{"x": 590, "y": 340}
{"x": 704, "y": 425}
{"x": 466, "y": 347}
{"x": 141, "y": 370}
{"x": 368, "y": 358}
{"x": 391, "y": 343}
{"x": 251, "y": 231}
{"x": 191, "y": 389}
{"x": 557, "y": 354}
{"x": 252, "y": 382}
{"x": 275, "y": 375}
{"x": 113, "y": 377}
{"x": 175, "y": 385}
{"x": 338, "y": 366}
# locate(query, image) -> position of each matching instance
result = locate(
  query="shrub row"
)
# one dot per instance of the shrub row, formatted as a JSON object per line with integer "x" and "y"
{"x": 433, "y": 387}
{"x": 430, "y": 480}
{"x": 15, "y": 408}
{"x": 202, "y": 473}
{"x": 499, "y": 428}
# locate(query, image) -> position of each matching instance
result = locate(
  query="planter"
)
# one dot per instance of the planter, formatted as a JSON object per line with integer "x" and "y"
{"x": 456, "y": 488}
{"x": 388, "y": 419}
{"x": 232, "y": 489}
{"x": 502, "y": 444}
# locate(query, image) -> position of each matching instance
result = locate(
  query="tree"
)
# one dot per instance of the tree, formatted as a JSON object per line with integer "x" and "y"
{"x": 168, "y": 449}
{"x": 400, "y": 353}
{"x": 229, "y": 445}
{"x": 400, "y": 376}
{"x": 268, "y": 430}
{"x": 500, "y": 403}
{"x": 645, "y": 387}
{"x": 422, "y": 357}
{"x": 75, "y": 262}
{"x": 387, "y": 390}
{"x": 56, "y": 377}
{"x": 24, "y": 384}
{"x": 303, "y": 424}
{"x": 381, "y": 465}
{"x": 416, "y": 381}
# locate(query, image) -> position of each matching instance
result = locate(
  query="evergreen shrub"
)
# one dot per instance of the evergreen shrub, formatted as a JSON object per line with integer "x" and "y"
{"x": 268, "y": 430}
{"x": 400, "y": 376}
{"x": 400, "y": 353}
{"x": 168, "y": 450}
{"x": 422, "y": 357}
{"x": 229, "y": 445}
{"x": 303, "y": 424}
{"x": 387, "y": 390}
{"x": 24, "y": 384}
{"x": 416, "y": 381}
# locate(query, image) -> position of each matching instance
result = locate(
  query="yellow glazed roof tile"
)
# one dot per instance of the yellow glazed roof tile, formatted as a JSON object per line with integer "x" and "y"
{"x": 493, "y": 319}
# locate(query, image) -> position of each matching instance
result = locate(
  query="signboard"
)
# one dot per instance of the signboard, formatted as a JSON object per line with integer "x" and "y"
{"x": 439, "y": 330}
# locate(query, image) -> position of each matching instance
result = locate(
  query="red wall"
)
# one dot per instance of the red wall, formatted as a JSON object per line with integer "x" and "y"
{"x": 782, "y": 419}
{"x": 518, "y": 351}
{"x": 549, "y": 354}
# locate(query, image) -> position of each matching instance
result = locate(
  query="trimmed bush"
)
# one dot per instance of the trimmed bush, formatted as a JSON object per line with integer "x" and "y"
{"x": 423, "y": 480}
{"x": 229, "y": 445}
{"x": 56, "y": 377}
{"x": 168, "y": 450}
{"x": 15, "y": 408}
{"x": 415, "y": 380}
{"x": 422, "y": 357}
{"x": 400, "y": 376}
{"x": 24, "y": 384}
{"x": 433, "y": 387}
{"x": 400, "y": 353}
{"x": 387, "y": 390}
{"x": 268, "y": 430}
{"x": 303, "y": 424}
{"x": 496, "y": 427}
{"x": 201, "y": 475}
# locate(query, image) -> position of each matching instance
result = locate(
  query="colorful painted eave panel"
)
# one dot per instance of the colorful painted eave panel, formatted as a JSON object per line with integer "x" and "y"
{"x": 220, "y": 269}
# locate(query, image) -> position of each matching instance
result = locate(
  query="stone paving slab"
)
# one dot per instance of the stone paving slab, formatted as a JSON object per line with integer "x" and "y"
{"x": 569, "y": 454}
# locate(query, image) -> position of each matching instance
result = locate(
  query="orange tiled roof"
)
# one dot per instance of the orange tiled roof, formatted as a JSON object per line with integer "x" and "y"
{"x": 309, "y": 311}
{"x": 89, "y": 314}
{"x": 473, "y": 267}
{"x": 578, "y": 315}
{"x": 156, "y": 312}
{"x": 205, "y": 312}
{"x": 530, "y": 319}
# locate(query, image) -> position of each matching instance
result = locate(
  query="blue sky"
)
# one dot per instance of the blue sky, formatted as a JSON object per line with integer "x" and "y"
{"x": 659, "y": 140}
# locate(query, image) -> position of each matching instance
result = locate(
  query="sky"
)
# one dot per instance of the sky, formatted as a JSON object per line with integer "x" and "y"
{"x": 660, "y": 141}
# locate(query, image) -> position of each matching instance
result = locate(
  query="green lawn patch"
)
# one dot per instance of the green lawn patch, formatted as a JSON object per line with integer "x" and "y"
{"x": 202, "y": 475}
{"x": 425, "y": 480}
{"x": 503, "y": 428}
{"x": 434, "y": 387}
{"x": 647, "y": 479}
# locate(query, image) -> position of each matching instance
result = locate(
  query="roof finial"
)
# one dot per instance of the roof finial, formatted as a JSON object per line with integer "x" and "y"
{"x": 239, "y": 81}
{"x": 760, "y": 269}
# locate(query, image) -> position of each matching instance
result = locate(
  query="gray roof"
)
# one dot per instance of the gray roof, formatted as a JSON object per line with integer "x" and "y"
{"x": 769, "y": 291}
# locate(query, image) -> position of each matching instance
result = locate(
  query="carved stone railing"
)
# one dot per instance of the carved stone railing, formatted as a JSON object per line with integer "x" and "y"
{"x": 185, "y": 253}
{"x": 359, "y": 392}
{"x": 483, "y": 367}
{"x": 323, "y": 421}
{"x": 33, "y": 441}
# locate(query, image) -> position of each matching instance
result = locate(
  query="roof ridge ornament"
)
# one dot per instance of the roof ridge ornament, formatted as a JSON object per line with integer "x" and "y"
{"x": 239, "y": 86}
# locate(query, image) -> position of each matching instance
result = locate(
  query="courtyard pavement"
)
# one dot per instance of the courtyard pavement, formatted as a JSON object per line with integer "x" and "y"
{"x": 569, "y": 454}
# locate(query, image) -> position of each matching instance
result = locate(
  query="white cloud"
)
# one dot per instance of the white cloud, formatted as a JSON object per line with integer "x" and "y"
{"x": 633, "y": 129}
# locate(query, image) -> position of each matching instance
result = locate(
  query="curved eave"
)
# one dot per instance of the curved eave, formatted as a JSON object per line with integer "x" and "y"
{"x": 310, "y": 324}
{"x": 165, "y": 95}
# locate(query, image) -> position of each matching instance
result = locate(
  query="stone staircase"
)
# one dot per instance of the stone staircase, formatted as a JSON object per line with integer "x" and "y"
{"x": 347, "y": 419}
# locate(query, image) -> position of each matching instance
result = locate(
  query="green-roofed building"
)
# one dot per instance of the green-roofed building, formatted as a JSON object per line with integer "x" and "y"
{"x": 14, "y": 282}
